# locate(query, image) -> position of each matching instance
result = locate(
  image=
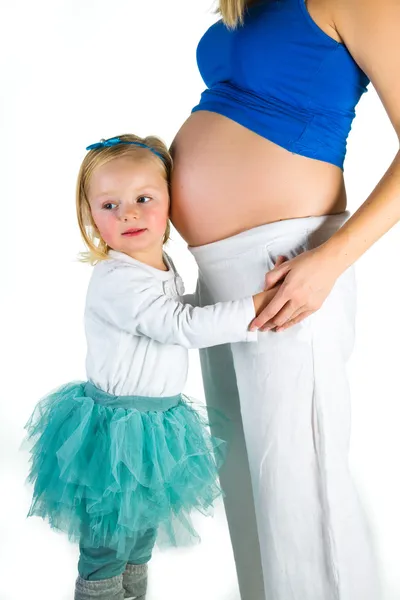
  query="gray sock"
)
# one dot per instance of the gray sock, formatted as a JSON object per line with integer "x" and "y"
{"x": 105, "y": 589}
{"x": 135, "y": 581}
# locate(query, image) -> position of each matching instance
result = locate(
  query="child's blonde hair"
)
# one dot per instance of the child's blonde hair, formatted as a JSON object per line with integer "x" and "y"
{"x": 97, "y": 249}
{"x": 232, "y": 11}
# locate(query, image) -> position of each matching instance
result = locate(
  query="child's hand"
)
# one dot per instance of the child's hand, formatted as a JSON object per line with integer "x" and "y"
{"x": 263, "y": 298}
{"x": 279, "y": 261}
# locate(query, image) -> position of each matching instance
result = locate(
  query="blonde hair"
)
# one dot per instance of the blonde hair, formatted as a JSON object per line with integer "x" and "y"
{"x": 97, "y": 249}
{"x": 232, "y": 12}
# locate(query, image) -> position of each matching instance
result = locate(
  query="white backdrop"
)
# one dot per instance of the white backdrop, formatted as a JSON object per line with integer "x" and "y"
{"x": 72, "y": 72}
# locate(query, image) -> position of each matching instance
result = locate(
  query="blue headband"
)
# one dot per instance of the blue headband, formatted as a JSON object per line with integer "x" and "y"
{"x": 116, "y": 140}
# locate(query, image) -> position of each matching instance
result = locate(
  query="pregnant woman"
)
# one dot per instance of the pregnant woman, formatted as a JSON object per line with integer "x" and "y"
{"x": 258, "y": 174}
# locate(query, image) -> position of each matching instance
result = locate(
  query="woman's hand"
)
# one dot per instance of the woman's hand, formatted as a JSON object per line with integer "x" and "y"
{"x": 306, "y": 281}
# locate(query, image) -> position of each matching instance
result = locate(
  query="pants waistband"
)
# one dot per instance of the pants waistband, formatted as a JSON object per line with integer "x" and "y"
{"x": 324, "y": 226}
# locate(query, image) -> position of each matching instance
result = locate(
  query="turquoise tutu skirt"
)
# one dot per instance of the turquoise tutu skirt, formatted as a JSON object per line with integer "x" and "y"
{"x": 109, "y": 468}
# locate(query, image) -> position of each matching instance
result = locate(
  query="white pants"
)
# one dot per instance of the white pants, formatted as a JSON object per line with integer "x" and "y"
{"x": 297, "y": 529}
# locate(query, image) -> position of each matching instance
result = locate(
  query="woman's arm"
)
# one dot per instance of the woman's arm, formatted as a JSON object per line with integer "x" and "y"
{"x": 371, "y": 31}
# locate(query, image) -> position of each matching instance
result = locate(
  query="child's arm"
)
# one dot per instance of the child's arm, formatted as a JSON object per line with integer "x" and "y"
{"x": 134, "y": 301}
{"x": 260, "y": 300}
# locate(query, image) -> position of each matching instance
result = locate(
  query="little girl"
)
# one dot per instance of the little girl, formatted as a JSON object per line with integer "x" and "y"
{"x": 123, "y": 457}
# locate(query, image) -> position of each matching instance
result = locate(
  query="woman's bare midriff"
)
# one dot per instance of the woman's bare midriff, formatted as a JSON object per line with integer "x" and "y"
{"x": 227, "y": 179}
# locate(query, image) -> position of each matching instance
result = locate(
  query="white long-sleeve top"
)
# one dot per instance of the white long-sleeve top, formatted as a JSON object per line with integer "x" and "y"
{"x": 139, "y": 327}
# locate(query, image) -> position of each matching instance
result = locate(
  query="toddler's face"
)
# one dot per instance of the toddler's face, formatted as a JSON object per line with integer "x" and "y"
{"x": 129, "y": 201}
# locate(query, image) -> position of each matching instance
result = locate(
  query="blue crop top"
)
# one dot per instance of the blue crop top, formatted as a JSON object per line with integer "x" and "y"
{"x": 283, "y": 77}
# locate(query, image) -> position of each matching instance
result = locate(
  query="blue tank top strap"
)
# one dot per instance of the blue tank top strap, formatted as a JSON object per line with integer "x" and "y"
{"x": 141, "y": 403}
{"x": 302, "y": 4}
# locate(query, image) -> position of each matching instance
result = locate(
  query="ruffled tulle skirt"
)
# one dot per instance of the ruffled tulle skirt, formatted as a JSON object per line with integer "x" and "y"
{"x": 109, "y": 468}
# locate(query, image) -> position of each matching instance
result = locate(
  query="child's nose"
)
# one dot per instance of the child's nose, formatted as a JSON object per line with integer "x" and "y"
{"x": 130, "y": 211}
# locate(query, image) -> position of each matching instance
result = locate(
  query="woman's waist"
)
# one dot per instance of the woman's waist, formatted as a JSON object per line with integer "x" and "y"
{"x": 228, "y": 179}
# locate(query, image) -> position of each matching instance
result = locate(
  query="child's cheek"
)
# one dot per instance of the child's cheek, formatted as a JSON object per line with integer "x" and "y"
{"x": 106, "y": 228}
{"x": 159, "y": 221}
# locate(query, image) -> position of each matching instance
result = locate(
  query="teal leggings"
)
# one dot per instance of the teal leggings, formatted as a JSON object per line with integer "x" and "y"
{"x": 102, "y": 563}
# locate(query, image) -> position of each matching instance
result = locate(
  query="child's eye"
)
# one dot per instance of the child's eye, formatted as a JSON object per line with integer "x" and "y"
{"x": 109, "y": 205}
{"x": 144, "y": 199}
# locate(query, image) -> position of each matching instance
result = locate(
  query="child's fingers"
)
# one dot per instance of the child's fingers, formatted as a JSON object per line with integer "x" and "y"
{"x": 280, "y": 260}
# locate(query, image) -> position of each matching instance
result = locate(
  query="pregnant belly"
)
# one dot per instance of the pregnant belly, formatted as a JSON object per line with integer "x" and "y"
{"x": 227, "y": 179}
